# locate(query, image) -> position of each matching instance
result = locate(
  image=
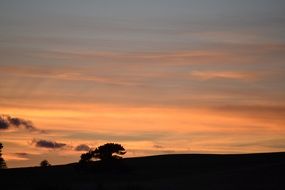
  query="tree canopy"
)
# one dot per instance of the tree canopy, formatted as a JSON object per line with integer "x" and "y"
{"x": 109, "y": 151}
{"x": 45, "y": 163}
{"x": 2, "y": 161}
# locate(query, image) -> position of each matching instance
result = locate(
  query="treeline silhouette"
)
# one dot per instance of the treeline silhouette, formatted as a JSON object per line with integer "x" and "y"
{"x": 3, "y": 164}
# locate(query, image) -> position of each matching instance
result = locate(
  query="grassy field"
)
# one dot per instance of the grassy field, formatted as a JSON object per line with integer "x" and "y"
{"x": 183, "y": 171}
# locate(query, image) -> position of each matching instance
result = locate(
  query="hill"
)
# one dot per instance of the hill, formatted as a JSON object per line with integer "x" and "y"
{"x": 182, "y": 171}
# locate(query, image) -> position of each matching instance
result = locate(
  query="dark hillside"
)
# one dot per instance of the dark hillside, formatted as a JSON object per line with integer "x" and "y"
{"x": 189, "y": 171}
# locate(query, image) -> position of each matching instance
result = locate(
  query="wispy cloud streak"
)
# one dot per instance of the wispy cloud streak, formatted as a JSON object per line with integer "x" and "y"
{"x": 233, "y": 75}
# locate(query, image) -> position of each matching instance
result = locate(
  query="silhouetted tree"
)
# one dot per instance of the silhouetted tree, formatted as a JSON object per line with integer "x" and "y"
{"x": 45, "y": 163}
{"x": 2, "y": 161}
{"x": 86, "y": 157}
{"x": 109, "y": 151}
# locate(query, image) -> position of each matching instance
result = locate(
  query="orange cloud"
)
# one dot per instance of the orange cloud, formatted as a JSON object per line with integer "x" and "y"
{"x": 208, "y": 75}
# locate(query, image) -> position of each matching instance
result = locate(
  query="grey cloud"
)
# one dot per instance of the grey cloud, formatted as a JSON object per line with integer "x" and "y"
{"x": 48, "y": 144}
{"x": 22, "y": 154}
{"x": 7, "y": 121}
{"x": 3, "y": 123}
{"x": 82, "y": 147}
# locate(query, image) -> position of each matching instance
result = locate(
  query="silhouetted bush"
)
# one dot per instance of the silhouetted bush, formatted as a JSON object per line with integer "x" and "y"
{"x": 3, "y": 164}
{"x": 106, "y": 152}
{"x": 45, "y": 163}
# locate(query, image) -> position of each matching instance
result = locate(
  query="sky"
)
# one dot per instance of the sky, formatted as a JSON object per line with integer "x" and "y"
{"x": 157, "y": 76}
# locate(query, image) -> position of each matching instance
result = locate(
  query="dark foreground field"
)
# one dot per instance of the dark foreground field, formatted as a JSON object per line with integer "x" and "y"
{"x": 191, "y": 171}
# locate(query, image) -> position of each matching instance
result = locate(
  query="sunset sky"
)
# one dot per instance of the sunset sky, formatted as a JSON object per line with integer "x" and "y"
{"x": 157, "y": 76}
